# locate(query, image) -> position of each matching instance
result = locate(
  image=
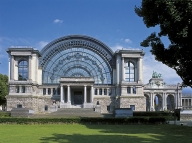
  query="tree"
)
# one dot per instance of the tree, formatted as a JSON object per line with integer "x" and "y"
{"x": 175, "y": 20}
{"x": 3, "y": 89}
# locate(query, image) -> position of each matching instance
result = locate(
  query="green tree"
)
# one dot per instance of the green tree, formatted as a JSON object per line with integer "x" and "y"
{"x": 175, "y": 20}
{"x": 3, "y": 89}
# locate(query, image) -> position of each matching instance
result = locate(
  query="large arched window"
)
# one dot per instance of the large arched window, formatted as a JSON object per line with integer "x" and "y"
{"x": 23, "y": 70}
{"x": 76, "y": 56}
{"x": 129, "y": 72}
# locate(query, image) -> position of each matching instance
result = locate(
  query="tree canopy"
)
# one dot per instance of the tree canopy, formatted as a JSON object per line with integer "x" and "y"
{"x": 3, "y": 88}
{"x": 175, "y": 20}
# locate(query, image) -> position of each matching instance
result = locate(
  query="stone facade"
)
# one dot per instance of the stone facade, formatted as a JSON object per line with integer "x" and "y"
{"x": 38, "y": 103}
{"x": 82, "y": 72}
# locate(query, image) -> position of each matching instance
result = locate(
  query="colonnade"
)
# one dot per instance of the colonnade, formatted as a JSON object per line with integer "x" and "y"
{"x": 175, "y": 100}
{"x": 62, "y": 93}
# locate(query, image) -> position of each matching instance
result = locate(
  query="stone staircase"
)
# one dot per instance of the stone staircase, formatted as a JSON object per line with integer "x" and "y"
{"x": 70, "y": 112}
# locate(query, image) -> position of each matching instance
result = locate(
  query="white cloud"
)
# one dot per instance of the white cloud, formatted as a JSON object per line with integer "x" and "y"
{"x": 168, "y": 74}
{"x": 58, "y": 21}
{"x": 128, "y": 41}
{"x": 41, "y": 44}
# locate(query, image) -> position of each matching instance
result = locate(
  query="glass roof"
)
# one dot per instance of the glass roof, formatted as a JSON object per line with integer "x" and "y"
{"x": 76, "y": 61}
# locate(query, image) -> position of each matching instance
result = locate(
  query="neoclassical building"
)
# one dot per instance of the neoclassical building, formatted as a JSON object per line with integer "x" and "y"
{"x": 78, "y": 71}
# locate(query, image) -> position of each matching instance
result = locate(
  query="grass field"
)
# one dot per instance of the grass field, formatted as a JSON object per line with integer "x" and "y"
{"x": 76, "y": 133}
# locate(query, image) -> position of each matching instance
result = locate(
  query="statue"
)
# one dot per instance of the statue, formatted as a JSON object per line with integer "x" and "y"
{"x": 156, "y": 75}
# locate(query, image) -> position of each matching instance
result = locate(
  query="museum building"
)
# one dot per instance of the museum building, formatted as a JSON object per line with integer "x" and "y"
{"x": 79, "y": 71}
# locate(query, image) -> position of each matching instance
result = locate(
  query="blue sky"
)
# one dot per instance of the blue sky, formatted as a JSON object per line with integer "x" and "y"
{"x": 35, "y": 23}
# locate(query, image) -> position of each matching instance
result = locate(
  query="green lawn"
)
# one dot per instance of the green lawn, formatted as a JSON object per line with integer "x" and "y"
{"x": 76, "y": 133}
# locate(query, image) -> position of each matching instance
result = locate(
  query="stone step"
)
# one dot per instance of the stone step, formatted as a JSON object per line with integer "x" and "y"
{"x": 70, "y": 112}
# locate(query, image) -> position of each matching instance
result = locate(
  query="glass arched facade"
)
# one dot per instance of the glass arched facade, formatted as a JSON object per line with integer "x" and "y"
{"x": 76, "y": 57}
{"x": 23, "y": 70}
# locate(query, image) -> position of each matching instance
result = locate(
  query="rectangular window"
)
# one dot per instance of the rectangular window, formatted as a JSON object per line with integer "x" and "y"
{"x": 134, "y": 90}
{"x": 58, "y": 91}
{"x": 129, "y": 90}
{"x": 49, "y": 91}
{"x": 46, "y": 108}
{"x": 100, "y": 91}
{"x": 19, "y": 106}
{"x": 105, "y": 91}
{"x": 108, "y": 108}
{"x": 17, "y": 89}
{"x": 44, "y": 91}
{"x": 110, "y": 92}
{"x": 54, "y": 91}
{"x": 95, "y": 91}
{"x": 23, "y": 89}
{"x": 132, "y": 107}
{"x": 183, "y": 102}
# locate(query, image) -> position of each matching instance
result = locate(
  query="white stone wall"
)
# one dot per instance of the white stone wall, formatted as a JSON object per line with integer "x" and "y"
{"x": 138, "y": 101}
{"x": 36, "y": 103}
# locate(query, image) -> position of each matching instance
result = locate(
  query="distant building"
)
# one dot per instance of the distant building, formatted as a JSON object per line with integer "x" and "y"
{"x": 82, "y": 72}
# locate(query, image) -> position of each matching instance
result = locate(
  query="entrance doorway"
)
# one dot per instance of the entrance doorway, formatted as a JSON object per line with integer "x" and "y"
{"x": 78, "y": 97}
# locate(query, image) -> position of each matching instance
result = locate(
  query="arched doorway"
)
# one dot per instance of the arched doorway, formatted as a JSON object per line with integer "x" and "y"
{"x": 158, "y": 102}
{"x": 170, "y": 103}
{"x": 147, "y": 102}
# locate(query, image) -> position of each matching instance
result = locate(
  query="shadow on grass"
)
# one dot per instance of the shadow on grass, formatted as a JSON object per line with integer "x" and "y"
{"x": 125, "y": 133}
{"x": 118, "y": 138}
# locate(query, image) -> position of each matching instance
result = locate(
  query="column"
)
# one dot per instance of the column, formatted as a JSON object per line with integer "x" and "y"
{"x": 20, "y": 89}
{"x": 9, "y": 68}
{"x": 61, "y": 94}
{"x": 152, "y": 102}
{"x": 85, "y": 94}
{"x": 138, "y": 70}
{"x": 52, "y": 91}
{"x": 165, "y": 101}
{"x": 91, "y": 94}
{"x": 176, "y": 100}
{"x": 12, "y": 67}
{"x": 29, "y": 68}
{"x": 122, "y": 68}
{"x": 117, "y": 67}
{"x": 68, "y": 94}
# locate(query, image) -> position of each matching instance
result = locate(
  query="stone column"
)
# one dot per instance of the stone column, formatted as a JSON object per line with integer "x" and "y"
{"x": 51, "y": 91}
{"x": 85, "y": 94}
{"x": 131, "y": 88}
{"x": 138, "y": 70}
{"x": 165, "y": 101}
{"x": 122, "y": 68}
{"x": 29, "y": 68}
{"x": 68, "y": 94}
{"x": 20, "y": 89}
{"x": 117, "y": 67}
{"x": 61, "y": 94}
{"x": 9, "y": 68}
{"x": 91, "y": 94}
{"x": 152, "y": 102}
{"x": 12, "y": 67}
{"x": 175, "y": 100}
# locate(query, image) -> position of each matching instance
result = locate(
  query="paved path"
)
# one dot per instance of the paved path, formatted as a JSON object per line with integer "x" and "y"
{"x": 184, "y": 123}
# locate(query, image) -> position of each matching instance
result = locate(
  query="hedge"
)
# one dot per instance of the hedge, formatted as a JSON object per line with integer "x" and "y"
{"x": 5, "y": 114}
{"x": 155, "y": 113}
{"x": 132, "y": 120}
